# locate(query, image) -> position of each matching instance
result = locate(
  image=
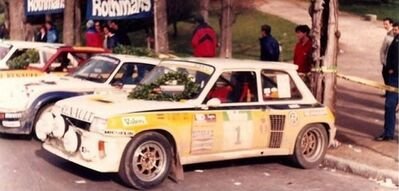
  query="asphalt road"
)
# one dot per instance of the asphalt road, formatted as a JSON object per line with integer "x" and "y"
{"x": 24, "y": 165}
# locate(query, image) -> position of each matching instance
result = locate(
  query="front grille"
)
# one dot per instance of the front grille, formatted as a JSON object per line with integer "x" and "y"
{"x": 77, "y": 123}
{"x": 277, "y": 130}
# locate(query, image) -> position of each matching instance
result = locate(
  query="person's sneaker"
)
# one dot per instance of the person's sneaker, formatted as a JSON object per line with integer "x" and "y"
{"x": 383, "y": 138}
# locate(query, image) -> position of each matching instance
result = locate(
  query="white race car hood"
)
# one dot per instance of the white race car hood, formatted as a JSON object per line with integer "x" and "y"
{"x": 105, "y": 106}
{"x": 18, "y": 92}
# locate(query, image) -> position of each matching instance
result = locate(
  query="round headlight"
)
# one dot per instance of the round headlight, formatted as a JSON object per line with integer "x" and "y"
{"x": 60, "y": 126}
{"x": 44, "y": 126}
{"x": 71, "y": 141}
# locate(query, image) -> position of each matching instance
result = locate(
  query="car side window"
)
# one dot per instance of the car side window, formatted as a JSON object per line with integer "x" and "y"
{"x": 131, "y": 73}
{"x": 235, "y": 87}
{"x": 278, "y": 85}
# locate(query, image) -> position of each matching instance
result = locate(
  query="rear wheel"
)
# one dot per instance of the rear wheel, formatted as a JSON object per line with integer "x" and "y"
{"x": 311, "y": 146}
{"x": 146, "y": 161}
{"x": 42, "y": 122}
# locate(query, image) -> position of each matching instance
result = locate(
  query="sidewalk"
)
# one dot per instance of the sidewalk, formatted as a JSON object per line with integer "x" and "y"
{"x": 360, "y": 109}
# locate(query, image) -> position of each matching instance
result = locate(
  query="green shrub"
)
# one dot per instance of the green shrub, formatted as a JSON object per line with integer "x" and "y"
{"x": 23, "y": 60}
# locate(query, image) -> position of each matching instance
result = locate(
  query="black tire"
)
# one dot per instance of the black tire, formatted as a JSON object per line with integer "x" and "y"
{"x": 39, "y": 114}
{"x": 310, "y": 146}
{"x": 154, "y": 166}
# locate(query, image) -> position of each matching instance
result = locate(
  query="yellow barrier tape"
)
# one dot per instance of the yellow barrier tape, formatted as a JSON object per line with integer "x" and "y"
{"x": 368, "y": 83}
{"x": 325, "y": 69}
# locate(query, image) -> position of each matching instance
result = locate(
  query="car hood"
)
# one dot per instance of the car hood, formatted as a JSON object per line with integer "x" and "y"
{"x": 18, "y": 92}
{"x": 105, "y": 106}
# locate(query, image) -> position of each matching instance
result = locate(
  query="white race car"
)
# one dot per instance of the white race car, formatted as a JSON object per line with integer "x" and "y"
{"x": 24, "y": 101}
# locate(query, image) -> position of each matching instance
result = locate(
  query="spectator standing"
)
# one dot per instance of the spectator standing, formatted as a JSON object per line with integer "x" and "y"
{"x": 52, "y": 33}
{"x": 269, "y": 47}
{"x": 41, "y": 36}
{"x": 119, "y": 33}
{"x": 387, "y": 22}
{"x": 93, "y": 38}
{"x": 391, "y": 98}
{"x": 110, "y": 40}
{"x": 303, "y": 49}
{"x": 3, "y": 31}
{"x": 204, "y": 39}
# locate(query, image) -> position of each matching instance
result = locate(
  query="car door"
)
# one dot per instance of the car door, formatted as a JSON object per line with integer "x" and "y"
{"x": 232, "y": 124}
{"x": 280, "y": 95}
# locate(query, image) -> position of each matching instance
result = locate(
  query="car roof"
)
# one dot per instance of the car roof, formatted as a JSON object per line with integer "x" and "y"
{"x": 132, "y": 58}
{"x": 29, "y": 44}
{"x": 231, "y": 63}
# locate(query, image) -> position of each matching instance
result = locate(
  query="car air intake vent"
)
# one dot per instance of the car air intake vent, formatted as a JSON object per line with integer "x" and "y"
{"x": 277, "y": 129}
{"x": 77, "y": 123}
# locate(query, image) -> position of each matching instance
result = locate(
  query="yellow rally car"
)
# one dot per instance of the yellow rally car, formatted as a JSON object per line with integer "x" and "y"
{"x": 191, "y": 111}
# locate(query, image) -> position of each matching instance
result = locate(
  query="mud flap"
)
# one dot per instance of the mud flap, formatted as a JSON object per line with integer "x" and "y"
{"x": 176, "y": 172}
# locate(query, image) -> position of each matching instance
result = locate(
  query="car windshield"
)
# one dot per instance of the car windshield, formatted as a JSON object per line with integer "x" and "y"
{"x": 96, "y": 69}
{"x": 179, "y": 80}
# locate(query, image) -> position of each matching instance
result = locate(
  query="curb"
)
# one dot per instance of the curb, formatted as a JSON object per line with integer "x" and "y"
{"x": 363, "y": 170}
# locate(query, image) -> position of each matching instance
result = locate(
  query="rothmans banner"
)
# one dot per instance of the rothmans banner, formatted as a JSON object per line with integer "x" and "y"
{"x": 118, "y": 9}
{"x": 37, "y": 7}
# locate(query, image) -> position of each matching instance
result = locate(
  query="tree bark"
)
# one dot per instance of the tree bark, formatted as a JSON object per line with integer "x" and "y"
{"x": 161, "y": 27}
{"x": 17, "y": 20}
{"x": 78, "y": 23}
{"x": 69, "y": 19}
{"x": 204, "y": 7}
{"x": 316, "y": 11}
{"x": 226, "y": 38}
{"x": 330, "y": 58}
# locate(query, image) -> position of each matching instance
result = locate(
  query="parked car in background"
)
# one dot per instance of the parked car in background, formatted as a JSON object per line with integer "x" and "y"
{"x": 191, "y": 111}
{"x": 31, "y": 59}
{"x": 24, "y": 101}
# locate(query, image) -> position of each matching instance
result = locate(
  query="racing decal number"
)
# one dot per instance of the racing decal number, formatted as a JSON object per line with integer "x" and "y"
{"x": 237, "y": 130}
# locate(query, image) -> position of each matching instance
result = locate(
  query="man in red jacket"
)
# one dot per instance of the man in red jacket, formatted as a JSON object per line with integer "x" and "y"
{"x": 93, "y": 38}
{"x": 204, "y": 39}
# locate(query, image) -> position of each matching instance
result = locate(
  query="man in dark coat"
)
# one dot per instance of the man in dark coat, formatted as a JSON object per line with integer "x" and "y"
{"x": 269, "y": 47}
{"x": 391, "y": 99}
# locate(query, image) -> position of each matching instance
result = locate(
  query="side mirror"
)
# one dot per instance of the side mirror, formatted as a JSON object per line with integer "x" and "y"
{"x": 213, "y": 102}
{"x": 117, "y": 84}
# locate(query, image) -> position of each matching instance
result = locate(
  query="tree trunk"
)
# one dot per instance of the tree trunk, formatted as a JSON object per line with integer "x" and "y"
{"x": 316, "y": 10}
{"x": 78, "y": 23}
{"x": 68, "y": 27}
{"x": 161, "y": 27}
{"x": 226, "y": 38}
{"x": 330, "y": 58}
{"x": 204, "y": 7}
{"x": 17, "y": 19}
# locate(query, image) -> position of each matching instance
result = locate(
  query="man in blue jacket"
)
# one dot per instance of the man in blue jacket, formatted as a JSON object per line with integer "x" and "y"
{"x": 391, "y": 99}
{"x": 269, "y": 47}
{"x": 52, "y": 33}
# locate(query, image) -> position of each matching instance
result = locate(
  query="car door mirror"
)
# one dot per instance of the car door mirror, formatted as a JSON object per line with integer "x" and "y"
{"x": 214, "y": 102}
{"x": 117, "y": 84}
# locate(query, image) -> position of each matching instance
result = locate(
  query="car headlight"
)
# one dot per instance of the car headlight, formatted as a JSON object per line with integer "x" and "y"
{"x": 98, "y": 125}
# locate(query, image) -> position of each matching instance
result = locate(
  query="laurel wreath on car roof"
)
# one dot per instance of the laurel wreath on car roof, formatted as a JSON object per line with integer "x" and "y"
{"x": 153, "y": 92}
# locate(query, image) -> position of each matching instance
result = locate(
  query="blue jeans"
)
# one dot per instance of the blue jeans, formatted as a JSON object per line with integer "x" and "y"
{"x": 391, "y": 101}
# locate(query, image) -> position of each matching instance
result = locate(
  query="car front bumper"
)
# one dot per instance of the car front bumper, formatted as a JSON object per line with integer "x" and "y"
{"x": 12, "y": 122}
{"x": 93, "y": 151}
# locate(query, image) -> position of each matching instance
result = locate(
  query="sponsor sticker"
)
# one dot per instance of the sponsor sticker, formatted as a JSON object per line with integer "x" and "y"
{"x": 316, "y": 112}
{"x": 205, "y": 117}
{"x": 292, "y": 117}
{"x": 134, "y": 121}
{"x": 202, "y": 140}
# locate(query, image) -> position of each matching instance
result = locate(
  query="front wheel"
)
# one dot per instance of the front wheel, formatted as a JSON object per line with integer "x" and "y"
{"x": 310, "y": 146}
{"x": 146, "y": 161}
{"x": 43, "y": 122}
